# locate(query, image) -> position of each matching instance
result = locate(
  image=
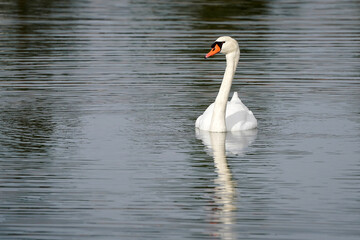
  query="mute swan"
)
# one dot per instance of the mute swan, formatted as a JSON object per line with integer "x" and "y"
{"x": 224, "y": 115}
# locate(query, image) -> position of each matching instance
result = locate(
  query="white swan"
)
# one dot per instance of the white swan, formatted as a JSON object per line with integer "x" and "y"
{"x": 224, "y": 115}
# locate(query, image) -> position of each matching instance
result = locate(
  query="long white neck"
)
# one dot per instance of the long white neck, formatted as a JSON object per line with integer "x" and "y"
{"x": 218, "y": 117}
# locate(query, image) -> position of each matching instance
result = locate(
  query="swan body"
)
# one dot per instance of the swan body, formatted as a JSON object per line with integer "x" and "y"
{"x": 224, "y": 115}
{"x": 238, "y": 117}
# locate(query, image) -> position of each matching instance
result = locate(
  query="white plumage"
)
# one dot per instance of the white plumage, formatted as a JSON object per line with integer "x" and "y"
{"x": 224, "y": 115}
{"x": 238, "y": 117}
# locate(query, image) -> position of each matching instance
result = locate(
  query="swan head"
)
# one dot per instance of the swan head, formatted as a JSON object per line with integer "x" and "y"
{"x": 223, "y": 45}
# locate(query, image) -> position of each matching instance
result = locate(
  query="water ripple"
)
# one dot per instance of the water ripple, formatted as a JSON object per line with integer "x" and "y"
{"x": 97, "y": 111}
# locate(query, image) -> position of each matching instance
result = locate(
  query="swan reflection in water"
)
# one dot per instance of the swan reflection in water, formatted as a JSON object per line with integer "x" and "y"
{"x": 219, "y": 145}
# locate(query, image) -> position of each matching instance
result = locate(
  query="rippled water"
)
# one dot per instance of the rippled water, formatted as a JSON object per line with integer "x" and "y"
{"x": 97, "y": 111}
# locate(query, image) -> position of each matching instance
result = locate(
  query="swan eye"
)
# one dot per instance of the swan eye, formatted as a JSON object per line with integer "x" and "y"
{"x": 217, "y": 43}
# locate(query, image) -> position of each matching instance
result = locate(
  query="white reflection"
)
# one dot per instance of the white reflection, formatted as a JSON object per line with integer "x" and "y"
{"x": 219, "y": 145}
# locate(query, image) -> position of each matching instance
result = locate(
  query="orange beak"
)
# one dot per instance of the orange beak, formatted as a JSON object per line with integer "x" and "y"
{"x": 213, "y": 51}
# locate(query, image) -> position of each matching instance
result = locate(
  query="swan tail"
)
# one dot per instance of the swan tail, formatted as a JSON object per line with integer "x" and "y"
{"x": 235, "y": 98}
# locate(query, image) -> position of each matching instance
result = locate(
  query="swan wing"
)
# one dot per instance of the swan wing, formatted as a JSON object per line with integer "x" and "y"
{"x": 203, "y": 122}
{"x": 238, "y": 116}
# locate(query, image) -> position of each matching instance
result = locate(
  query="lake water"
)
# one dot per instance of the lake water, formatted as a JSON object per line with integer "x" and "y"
{"x": 97, "y": 111}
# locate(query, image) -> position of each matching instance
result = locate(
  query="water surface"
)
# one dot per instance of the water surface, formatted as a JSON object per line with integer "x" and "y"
{"x": 97, "y": 111}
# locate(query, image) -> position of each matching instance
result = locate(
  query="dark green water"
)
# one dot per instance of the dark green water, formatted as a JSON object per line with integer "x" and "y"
{"x": 97, "y": 111}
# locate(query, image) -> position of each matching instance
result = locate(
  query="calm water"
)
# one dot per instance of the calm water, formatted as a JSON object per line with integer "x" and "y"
{"x": 97, "y": 111}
